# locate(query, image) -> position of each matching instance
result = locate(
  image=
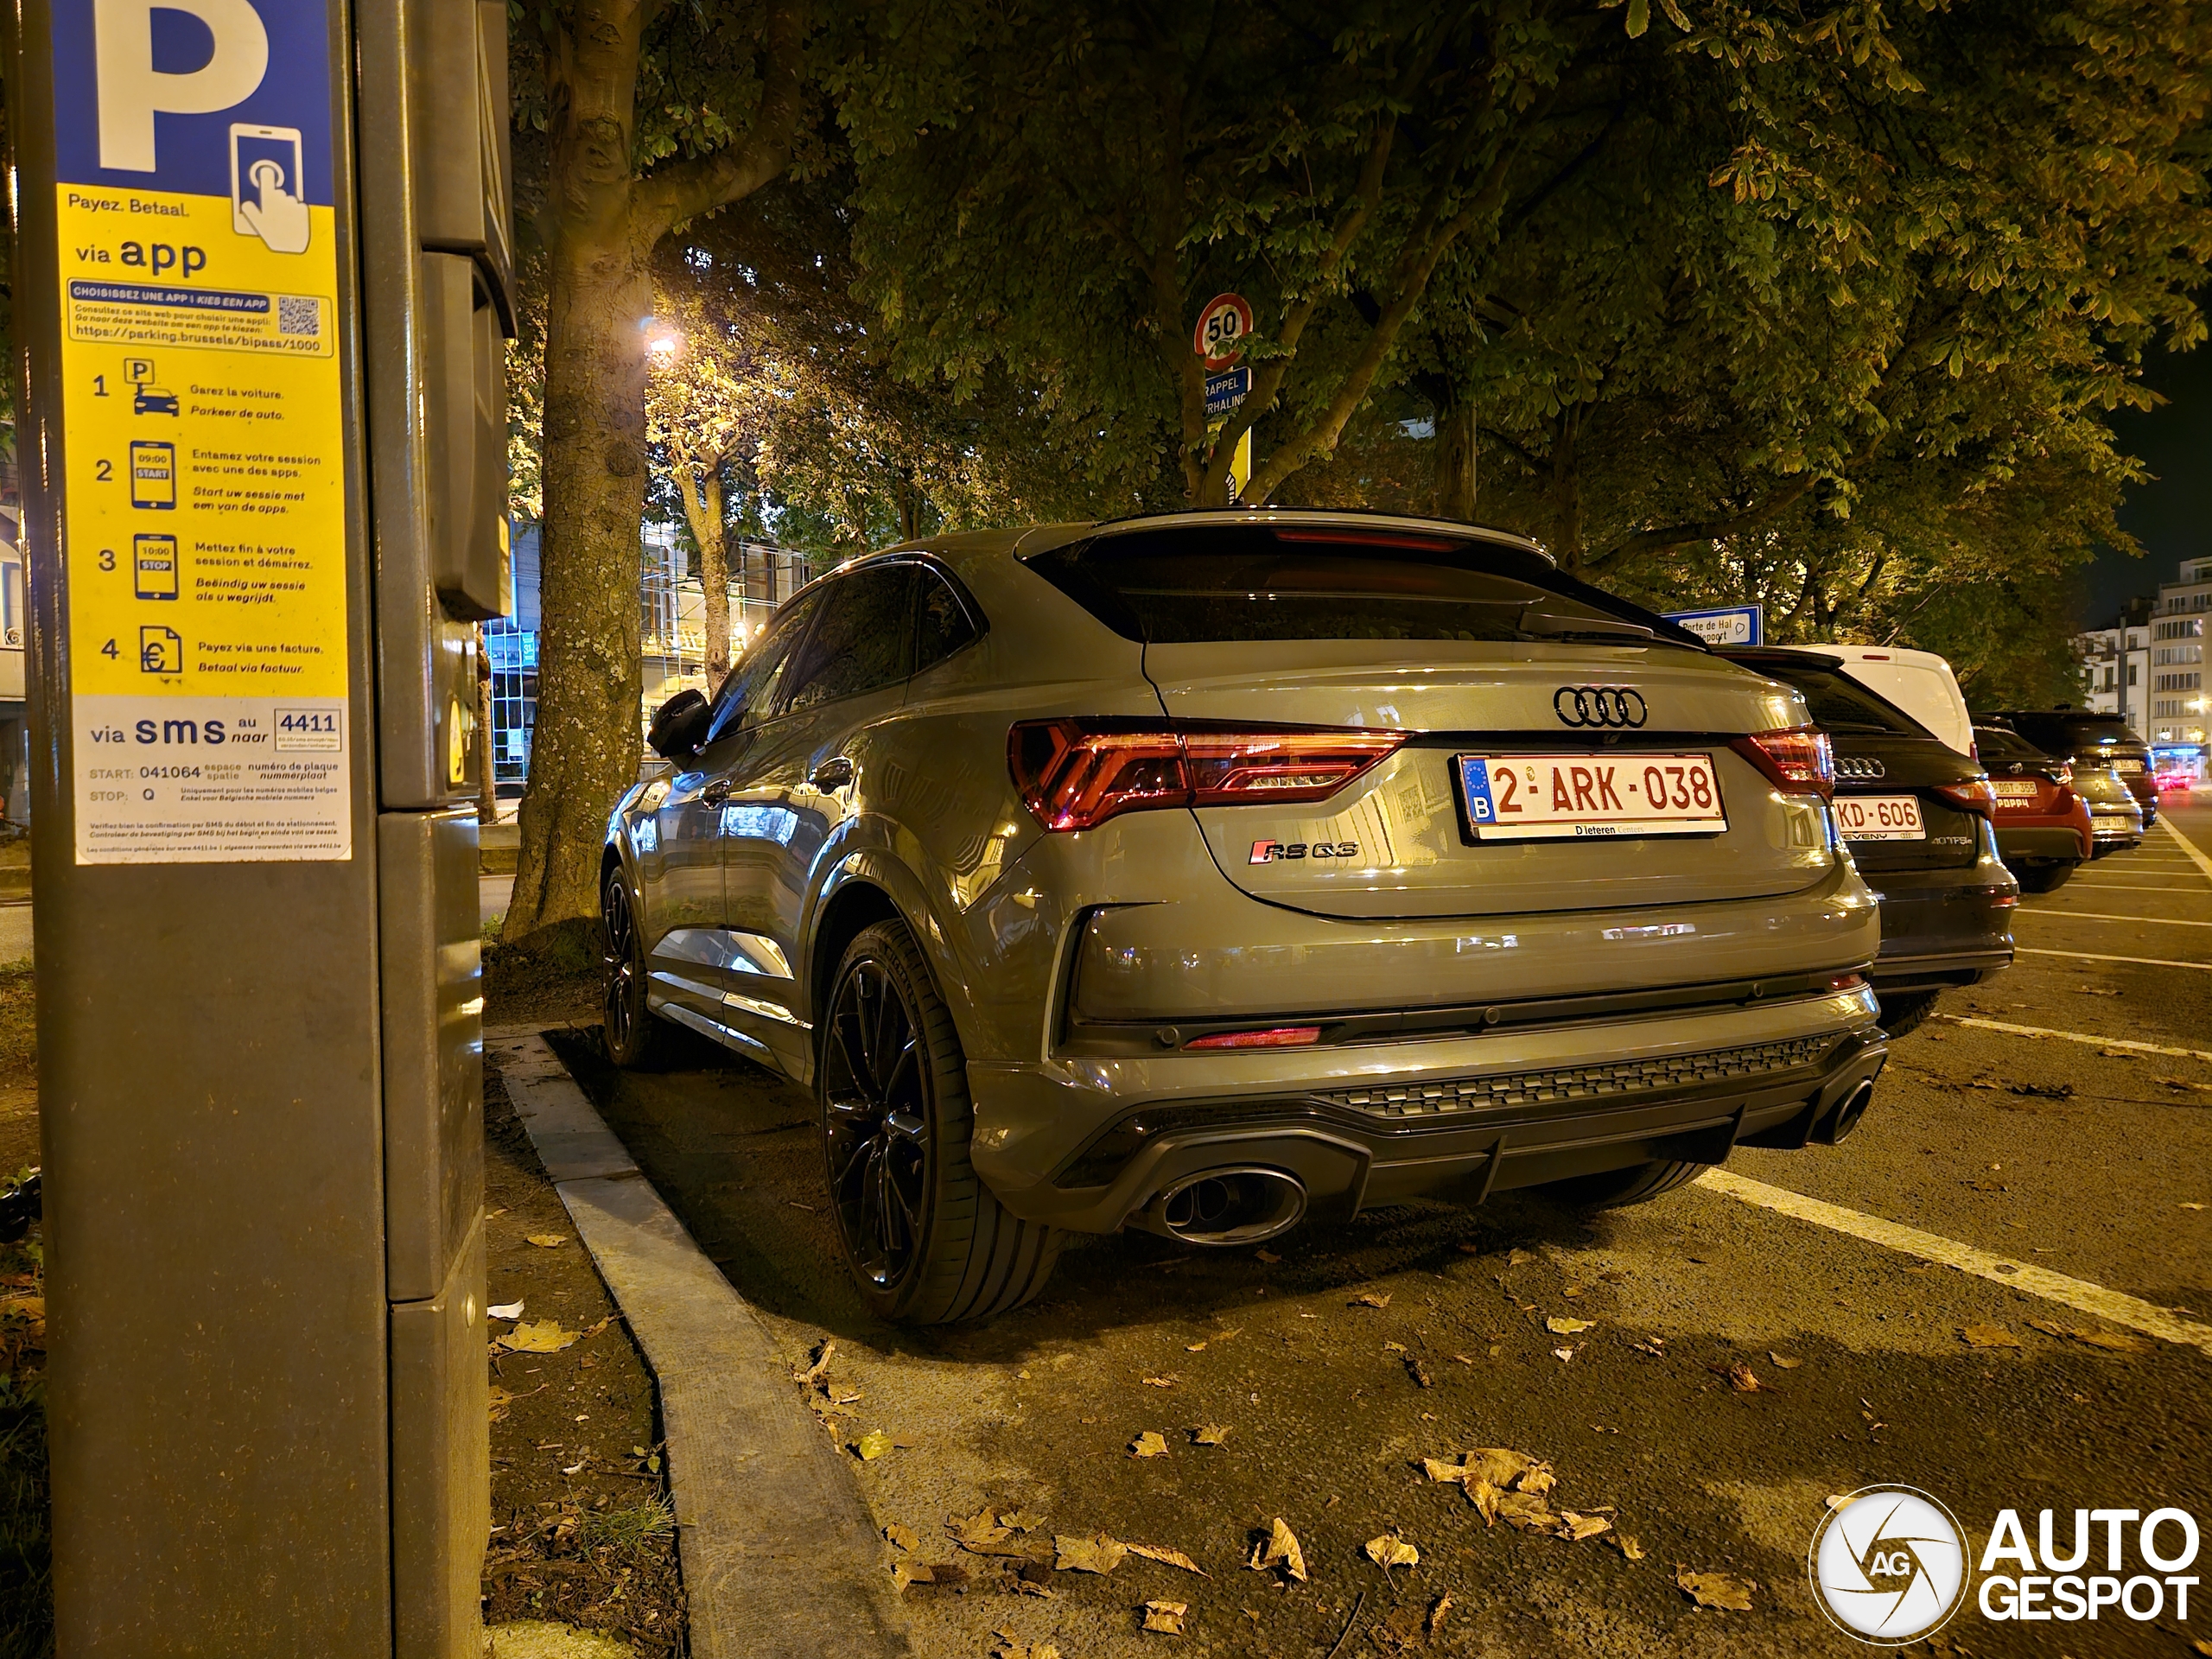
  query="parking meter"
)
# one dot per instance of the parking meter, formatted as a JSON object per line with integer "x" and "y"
{"x": 263, "y": 277}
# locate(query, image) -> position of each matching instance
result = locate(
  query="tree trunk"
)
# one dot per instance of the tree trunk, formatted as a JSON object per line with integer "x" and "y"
{"x": 487, "y": 776}
{"x": 590, "y": 681}
{"x": 713, "y": 537}
{"x": 1455, "y": 460}
{"x": 700, "y": 482}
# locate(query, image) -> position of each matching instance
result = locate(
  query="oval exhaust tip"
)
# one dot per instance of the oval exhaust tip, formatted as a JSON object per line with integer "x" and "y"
{"x": 1224, "y": 1207}
{"x": 1846, "y": 1116}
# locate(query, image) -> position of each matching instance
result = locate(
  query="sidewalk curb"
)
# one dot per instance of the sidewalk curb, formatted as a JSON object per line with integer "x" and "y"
{"x": 780, "y": 1556}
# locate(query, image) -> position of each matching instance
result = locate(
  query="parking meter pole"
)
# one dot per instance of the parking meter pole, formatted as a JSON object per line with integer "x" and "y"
{"x": 263, "y": 503}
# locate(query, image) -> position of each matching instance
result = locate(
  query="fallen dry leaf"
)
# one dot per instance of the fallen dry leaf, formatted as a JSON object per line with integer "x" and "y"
{"x": 1987, "y": 1335}
{"x": 1372, "y": 1298}
{"x": 985, "y": 1534}
{"x": 2194, "y": 1206}
{"x": 1018, "y": 1521}
{"x": 1279, "y": 1549}
{"x": 1394, "y": 1347}
{"x": 1165, "y": 1616}
{"x": 546, "y": 1337}
{"x": 1010, "y": 1646}
{"x": 1209, "y": 1434}
{"x": 1783, "y": 1362}
{"x": 1578, "y": 1527}
{"x": 548, "y": 1241}
{"x": 1390, "y": 1550}
{"x": 1150, "y": 1443}
{"x": 2113, "y": 1341}
{"x": 2203, "y": 1647}
{"x": 1194, "y": 1347}
{"x": 1562, "y": 1355}
{"x": 1559, "y": 1325}
{"x": 1627, "y": 1545}
{"x": 1526, "y": 1510}
{"x": 822, "y": 1357}
{"x": 907, "y": 1573}
{"x": 1268, "y": 1256}
{"x": 902, "y": 1536}
{"x": 1168, "y": 1382}
{"x": 505, "y": 1311}
{"x": 1437, "y": 1613}
{"x": 1740, "y": 1377}
{"x": 1099, "y": 1554}
{"x": 1515, "y": 1258}
{"x": 872, "y": 1445}
{"x": 1715, "y": 1589}
{"x": 1169, "y": 1557}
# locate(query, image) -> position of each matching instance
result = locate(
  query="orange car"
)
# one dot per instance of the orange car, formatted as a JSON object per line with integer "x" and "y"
{"x": 2042, "y": 826}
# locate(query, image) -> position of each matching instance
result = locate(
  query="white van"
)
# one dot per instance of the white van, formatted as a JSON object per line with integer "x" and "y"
{"x": 1918, "y": 682}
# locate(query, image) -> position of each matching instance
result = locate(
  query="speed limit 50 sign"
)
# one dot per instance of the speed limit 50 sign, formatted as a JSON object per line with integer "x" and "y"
{"x": 1219, "y": 337}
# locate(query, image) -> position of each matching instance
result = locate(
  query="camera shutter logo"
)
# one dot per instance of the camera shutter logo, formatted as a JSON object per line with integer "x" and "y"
{"x": 1598, "y": 705}
{"x": 1888, "y": 1565}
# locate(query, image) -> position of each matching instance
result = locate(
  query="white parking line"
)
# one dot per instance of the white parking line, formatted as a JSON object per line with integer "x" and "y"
{"x": 2087, "y": 956}
{"x": 2078, "y": 885}
{"x": 2077, "y": 1293}
{"x": 2196, "y": 852}
{"x": 2105, "y": 916}
{"x": 2127, "y": 1042}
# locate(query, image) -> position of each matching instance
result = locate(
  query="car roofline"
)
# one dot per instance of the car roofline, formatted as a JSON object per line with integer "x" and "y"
{"x": 1191, "y": 517}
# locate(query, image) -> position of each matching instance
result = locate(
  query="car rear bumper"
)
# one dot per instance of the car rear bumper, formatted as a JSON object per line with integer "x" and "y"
{"x": 1946, "y": 927}
{"x": 1088, "y": 1145}
{"x": 2040, "y": 843}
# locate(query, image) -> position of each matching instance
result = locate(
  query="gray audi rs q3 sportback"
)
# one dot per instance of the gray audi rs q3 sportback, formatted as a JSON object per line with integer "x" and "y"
{"x": 1201, "y": 872}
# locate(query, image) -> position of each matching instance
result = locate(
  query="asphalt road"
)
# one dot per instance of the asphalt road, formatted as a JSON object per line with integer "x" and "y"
{"x": 2029, "y": 1157}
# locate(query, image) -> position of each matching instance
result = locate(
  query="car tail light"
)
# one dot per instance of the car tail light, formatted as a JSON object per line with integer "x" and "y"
{"x": 1797, "y": 761}
{"x": 1279, "y": 1036}
{"x": 1076, "y": 774}
{"x": 1980, "y": 796}
{"x": 1847, "y": 982}
{"x": 2065, "y": 772}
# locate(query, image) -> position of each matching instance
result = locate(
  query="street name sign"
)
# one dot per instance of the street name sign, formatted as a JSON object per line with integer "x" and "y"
{"x": 1727, "y": 624}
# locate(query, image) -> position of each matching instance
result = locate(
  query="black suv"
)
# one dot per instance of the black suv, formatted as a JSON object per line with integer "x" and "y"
{"x": 1916, "y": 816}
{"x": 2088, "y": 739}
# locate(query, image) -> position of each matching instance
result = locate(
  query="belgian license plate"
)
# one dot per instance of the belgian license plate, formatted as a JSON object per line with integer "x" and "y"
{"x": 1587, "y": 797}
{"x": 1879, "y": 817}
{"x": 2126, "y": 768}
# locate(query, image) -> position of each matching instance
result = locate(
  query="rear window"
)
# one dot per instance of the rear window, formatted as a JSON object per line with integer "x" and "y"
{"x": 2066, "y": 733}
{"x": 1251, "y": 581}
{"x": 1996, "y": 743}
{"x": 1837, "y": 703}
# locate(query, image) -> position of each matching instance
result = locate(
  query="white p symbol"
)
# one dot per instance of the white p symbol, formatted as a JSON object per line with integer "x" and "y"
{"x": 132, "y": 91}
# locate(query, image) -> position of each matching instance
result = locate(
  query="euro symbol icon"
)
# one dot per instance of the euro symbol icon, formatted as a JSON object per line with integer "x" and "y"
{"x": 160, "y": 650}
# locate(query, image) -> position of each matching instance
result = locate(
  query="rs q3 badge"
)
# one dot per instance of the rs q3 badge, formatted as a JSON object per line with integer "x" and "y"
{"x": 1275, "y": 852}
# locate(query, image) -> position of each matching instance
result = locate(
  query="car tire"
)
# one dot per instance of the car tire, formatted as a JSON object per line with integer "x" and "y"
{"x": 2045, "y": 878}
{"x": 634, "y": 1037}
{"x": 926, "y": 1241}
{"x": 1904, "y": 1012}
{"x": 1615, "y": 1188}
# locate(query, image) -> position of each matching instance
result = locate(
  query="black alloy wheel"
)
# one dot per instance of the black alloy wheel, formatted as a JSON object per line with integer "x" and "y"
{"x": 925, "y": 1239}
{"x": 876, "y": 1125}
{"x": 631, "y": 1034}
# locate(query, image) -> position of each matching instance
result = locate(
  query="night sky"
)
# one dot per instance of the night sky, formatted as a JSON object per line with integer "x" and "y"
{"x": 2172, "y": 515}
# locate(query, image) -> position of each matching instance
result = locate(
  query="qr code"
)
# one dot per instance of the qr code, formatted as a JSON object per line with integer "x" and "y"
{"x": 298, "y": 316}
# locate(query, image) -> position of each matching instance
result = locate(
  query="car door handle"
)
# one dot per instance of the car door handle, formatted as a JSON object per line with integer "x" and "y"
{"x": 833, "y": 773}
{"x": 716, "y": 791}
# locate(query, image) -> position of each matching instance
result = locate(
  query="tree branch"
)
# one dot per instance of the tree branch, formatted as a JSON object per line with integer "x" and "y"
{"x": 684, "y": 190}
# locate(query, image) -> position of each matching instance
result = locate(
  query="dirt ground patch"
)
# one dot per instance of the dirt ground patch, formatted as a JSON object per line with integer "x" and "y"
{"x": 583, "y": 1531}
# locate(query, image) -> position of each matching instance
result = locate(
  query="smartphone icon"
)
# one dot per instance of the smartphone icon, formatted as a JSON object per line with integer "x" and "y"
{"x": 153, "y": 473}
{"x": 267, "y": 197}
{"x": 153, "y": 560}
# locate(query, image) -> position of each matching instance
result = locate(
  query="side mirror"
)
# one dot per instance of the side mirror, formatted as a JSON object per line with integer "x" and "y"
{"x": 680, "y": 727}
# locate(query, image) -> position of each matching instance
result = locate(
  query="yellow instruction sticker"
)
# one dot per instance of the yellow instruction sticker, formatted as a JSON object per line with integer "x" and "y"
{"x": 206, "y": 530}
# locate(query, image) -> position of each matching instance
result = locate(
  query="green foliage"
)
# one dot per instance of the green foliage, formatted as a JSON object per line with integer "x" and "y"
{"x": 1828, "y": 310}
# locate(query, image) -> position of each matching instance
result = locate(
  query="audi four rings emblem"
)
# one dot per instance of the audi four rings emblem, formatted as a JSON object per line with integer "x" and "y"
{"x": 1598, "y": 705}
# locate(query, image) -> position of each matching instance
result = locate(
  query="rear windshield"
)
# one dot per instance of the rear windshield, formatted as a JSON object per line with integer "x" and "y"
{"x": 1253, "y": 581}
{"x": 2066, "y": 733}
{"x": 1996, "y": 743}
{"x": 1838, "y": 702}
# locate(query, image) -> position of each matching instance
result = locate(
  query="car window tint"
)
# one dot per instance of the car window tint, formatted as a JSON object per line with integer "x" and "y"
{"x": 1995, "y": 742}
{"x": 861, "y": 641}
{"x": 749, "y": 693}
{"x": 2067, "y": 732}
{"x": 1234, "y": 582}
{"x": 1837, "y": 703}
{"x": 941, "y": 622}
